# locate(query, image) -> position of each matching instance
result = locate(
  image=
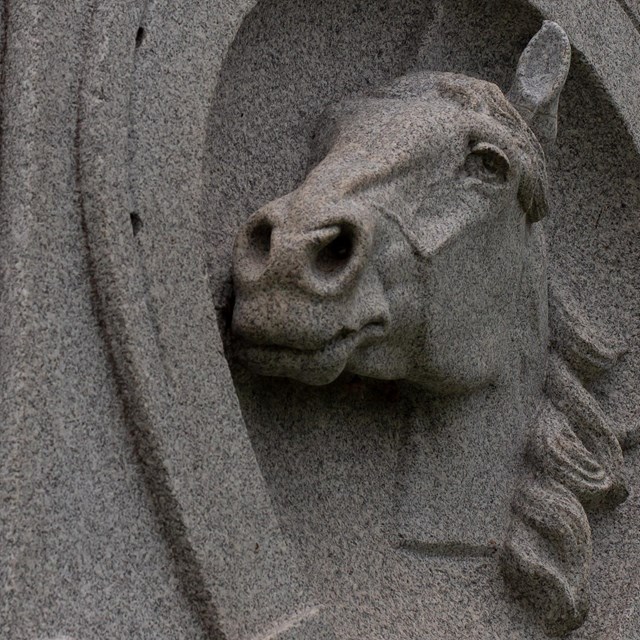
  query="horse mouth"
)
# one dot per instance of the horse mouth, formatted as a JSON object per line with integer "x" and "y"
{"x": 319, "y": 365}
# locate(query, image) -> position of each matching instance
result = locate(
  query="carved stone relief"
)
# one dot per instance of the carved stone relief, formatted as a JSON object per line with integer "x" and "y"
{"x": 413, "y": 251}
{"x": 177, "y": 463}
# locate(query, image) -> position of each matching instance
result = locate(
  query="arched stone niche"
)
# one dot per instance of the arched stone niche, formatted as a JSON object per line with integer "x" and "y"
{"x": 143, "y": 492}
{"x": 335, "y": 458}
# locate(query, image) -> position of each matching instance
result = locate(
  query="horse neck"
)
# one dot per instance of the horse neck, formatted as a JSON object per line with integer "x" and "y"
{"x": 461, "y": 458}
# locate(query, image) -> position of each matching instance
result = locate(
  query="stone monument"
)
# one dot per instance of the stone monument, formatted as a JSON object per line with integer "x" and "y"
{"x": 320, "y": 320}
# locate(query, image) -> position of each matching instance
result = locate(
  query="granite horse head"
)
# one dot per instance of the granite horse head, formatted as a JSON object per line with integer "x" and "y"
{"x": 408, "y": 249}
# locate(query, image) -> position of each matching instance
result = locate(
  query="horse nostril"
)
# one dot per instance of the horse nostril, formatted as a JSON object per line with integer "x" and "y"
{"x": 260, "y": 239}
{"x": 335, "y": 255}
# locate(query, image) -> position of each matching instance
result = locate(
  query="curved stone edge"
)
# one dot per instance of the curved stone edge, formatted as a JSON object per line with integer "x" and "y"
{"x": 80, "y": 550}
{"x": 233, "y": 560}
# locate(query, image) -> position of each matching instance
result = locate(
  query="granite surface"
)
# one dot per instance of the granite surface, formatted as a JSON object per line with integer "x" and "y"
{"x": 147, "y": 490}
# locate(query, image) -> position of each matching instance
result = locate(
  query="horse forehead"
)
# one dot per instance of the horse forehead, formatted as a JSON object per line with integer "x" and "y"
{"x": 405, "y": 123}
{"x": 393, "y": 131}
{"x": 382, "y": 137}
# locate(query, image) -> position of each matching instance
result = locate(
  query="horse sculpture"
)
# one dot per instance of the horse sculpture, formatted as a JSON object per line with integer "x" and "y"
{"x": 412, "y": 251}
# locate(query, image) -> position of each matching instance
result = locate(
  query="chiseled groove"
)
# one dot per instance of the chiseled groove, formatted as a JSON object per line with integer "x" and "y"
{"x": 126, "y": 323}
{"x": 448, "y": 549}
{"x": 631, "y": 14}
{"x": 289, "y": 623}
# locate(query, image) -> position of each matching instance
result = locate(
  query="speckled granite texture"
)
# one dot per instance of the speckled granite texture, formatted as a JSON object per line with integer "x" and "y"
{"x": 150, "y": 490}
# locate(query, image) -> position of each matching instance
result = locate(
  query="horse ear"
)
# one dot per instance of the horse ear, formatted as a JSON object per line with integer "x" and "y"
{"x": 540, "y": 76}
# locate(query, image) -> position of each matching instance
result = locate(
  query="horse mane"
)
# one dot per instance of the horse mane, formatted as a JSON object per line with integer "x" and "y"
{"x": 576, "y": 465}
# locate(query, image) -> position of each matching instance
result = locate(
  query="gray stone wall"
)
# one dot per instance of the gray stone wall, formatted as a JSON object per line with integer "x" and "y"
{"x": 148, "y": 491}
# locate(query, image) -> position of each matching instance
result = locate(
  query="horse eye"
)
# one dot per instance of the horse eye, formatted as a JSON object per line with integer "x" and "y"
{"x": 487, "y": 162}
